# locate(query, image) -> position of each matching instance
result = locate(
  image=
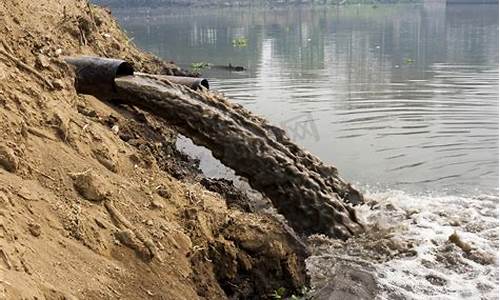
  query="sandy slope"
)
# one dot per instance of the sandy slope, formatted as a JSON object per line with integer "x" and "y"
{"x": 95, "y": 202}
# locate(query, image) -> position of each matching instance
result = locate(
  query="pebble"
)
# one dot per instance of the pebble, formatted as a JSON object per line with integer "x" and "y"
{"x": 115, "y": 129}
{"x": 91, "y": 186}
{"x": 35, "y": 229}
{"x": 8, "y": 159}
{"x": 156, "y": 204}
{"x": 42, "y": 61}
{"x": 58, "y": 84}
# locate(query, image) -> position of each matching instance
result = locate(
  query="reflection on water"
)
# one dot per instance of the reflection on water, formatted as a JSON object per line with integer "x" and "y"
{"x": 402, "y": 96}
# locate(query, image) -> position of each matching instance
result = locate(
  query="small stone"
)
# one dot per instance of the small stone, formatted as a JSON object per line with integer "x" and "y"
{"x": 455, "y": 239}
{"x": 149, "y": 223}
{"x": 58, "y": 84}
{"x": 8, "y": 159}
{"x": 86, "y": 111}
{"x": 58, "y": 52}
{"x": 35, "y": 229}
{"x": 115, "y": 129}
{"x": 42, "y": 61}
{"x": 91, "y": 186}
{"x": 156, "y": 204}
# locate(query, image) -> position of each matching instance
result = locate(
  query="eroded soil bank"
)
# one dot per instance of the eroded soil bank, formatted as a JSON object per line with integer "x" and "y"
{"x": 95, "y": 201}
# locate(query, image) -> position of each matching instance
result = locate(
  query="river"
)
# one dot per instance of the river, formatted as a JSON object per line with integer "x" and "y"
{"x": 403, "y": 99}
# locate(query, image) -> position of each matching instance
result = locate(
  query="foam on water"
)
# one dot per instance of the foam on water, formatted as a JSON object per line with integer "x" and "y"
{"x": 407, "y": 246}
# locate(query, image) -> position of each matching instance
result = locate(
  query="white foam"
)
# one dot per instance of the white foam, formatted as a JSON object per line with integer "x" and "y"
{"x": 427, "y": 222}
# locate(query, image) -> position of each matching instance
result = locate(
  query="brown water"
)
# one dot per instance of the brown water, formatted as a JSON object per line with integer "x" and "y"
{"x": 397, "y": 96}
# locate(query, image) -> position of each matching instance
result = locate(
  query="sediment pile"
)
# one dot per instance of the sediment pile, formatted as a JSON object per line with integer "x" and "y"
{"x": 95, "y": 200}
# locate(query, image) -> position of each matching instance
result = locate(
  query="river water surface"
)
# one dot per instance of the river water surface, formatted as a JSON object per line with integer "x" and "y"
{"x": 403, "y": 99}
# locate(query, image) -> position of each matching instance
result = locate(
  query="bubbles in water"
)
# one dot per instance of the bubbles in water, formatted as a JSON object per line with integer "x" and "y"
{"x": 408, "y": 248}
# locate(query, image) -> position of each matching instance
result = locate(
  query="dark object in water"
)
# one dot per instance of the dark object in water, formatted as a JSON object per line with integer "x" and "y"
{"x": 96, "y": 75}
{"x": 230, "y": 67}
{"x": 311, "y": 195}
{"x": 192, "y": 82}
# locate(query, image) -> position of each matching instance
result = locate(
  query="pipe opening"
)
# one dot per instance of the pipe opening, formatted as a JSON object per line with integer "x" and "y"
{"x": 124, "y": 69}
{"x": 205, "y": 84}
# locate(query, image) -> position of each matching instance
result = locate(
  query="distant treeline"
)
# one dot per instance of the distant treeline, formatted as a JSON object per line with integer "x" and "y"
{"x": 202, "y": 3}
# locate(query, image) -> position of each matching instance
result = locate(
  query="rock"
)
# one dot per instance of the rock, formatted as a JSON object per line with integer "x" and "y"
{"x": 455, "y": 239}
{"x": 8, "y": 159}
{"x": 42, "y": 61}
{"x": 35, "y": 229}
{"x": 91, "y": 186}
{"x": 87, "y": 111}
{"x": 58, "y": 84}
{"x": 115, "y": 129}
{"x": 156, "y": 204}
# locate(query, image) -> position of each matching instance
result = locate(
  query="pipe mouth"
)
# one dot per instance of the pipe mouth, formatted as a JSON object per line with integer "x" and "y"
{"x": 124, "y": 69}
{"x": 96, "y": 75}
{"x": 205, "y": 84}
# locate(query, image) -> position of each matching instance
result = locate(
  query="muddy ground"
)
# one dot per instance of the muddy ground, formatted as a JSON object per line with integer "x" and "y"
{"x": 95, "y": 200}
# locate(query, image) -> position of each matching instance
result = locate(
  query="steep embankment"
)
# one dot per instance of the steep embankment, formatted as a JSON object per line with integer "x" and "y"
{"x": 95, "y": 201}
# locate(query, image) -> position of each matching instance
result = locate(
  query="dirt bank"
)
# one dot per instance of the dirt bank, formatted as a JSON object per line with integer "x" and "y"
{"x": 95, "y": 201}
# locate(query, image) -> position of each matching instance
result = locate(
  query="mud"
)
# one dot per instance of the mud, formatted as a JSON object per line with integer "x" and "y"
{"x": 95, "y": 200}
{"x": 234, "y": 197}
{"x": 311, "y": 196}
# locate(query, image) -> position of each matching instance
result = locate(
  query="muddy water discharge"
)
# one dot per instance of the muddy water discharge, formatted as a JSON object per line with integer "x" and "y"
{"x": 311, "y": 195}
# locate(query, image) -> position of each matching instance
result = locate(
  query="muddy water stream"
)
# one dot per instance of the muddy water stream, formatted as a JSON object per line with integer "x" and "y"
{"x": 403, "y": 99}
